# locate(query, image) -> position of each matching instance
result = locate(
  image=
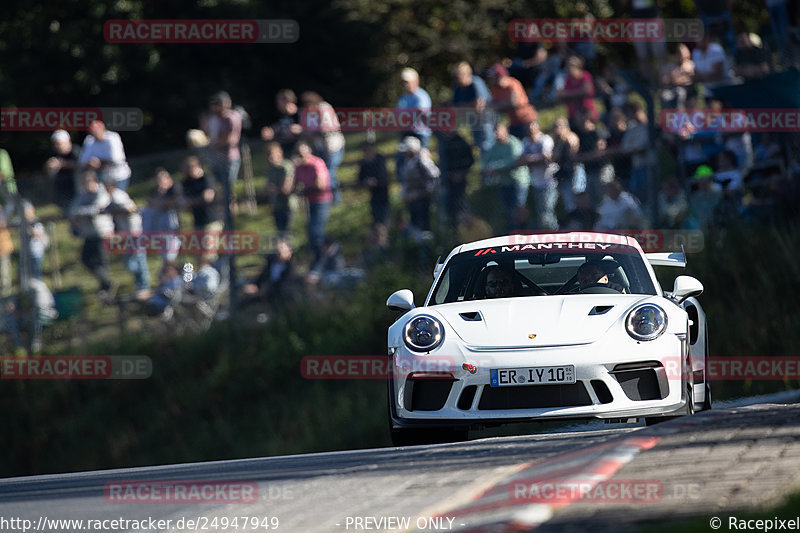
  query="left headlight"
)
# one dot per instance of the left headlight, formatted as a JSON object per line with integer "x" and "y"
{"x": 423, "y": 333}
{"x": 646, "y": 322}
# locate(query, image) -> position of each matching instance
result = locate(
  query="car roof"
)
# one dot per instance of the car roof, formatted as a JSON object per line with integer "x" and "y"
{"x": 570, "y": 236}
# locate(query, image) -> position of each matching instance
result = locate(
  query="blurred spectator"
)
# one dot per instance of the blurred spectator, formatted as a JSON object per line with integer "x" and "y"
{"x": 552, "y": 72}
{"x": 280, "y": 183}
{"x": 471, "y": 94}
{"x": 61, "y": 166}
{"x": 104, "y": 153}
{"x": 420, "y": 175}
{"x": 716, "y": 17}
{"x": 637, "y": 144}
{"x": 455, "y": 160}
{"x": 199, "y": 195}
{"x": 8, "y": 187}
{"x": 584, "y": 216}
{"x": 537, "y": 152}
{"x": 128, "y": 221}
{"x": 223, "y": 126}
{"x": 648, "y": 52}
{"x": 765, "y": 192}
{"x": 170, "y": 285}
{"x": 779, "y": 18}
{"x": 43, "y": 300}
{"x": 206, "y": 280}
{"x": 161, "y": 213}
{"x": 273, "y": 282}
{"x": 565, "y": 149}
{"x": 501, "y": 165}
{"x": 38, "y": 241}
{"x": 677, "y": 79}
{"x": 287, "y": 129}
{"x": 704, "y": 199}
{"x": 312, "y": 175}
{"x": 10, "y": 322}
{"x": 767, "y": 147}
{"x": 527, "y": 62}
{"x": 711, "y": 66}
{"x": 331, "y": 269}
{"x": 727, "y": 174}
{"x": 592, "y": 138}
{"x": 508, "y": 96}
{"x": 332, "y": 139}
{"x": 741, "y": 145}
{"x": 586, "y": 49}
{"x": 578, "y": 91}
{"x": 415, "y": 97}
{"x": 673, "y": 204}
{"x": 612, "y": 88}
{"x": 6, "y": 248}
{"x": 330, "y": 262}
{"x": 752, "y": 58}
{"x": 619, "y": 209}
{"x": 87, "y": 213}
{"x": 372, "y": 175}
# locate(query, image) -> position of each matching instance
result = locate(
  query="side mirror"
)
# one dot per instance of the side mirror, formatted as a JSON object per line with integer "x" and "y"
{"x": 402, "y": 300}
{"x": 686, "y": 287}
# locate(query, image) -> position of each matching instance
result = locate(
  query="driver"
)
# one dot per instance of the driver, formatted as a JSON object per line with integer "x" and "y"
{"x": 592, "y": 274}
{"x": 499, "y": 282}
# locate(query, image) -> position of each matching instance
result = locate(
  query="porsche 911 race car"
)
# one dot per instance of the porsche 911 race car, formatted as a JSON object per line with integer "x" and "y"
{"x": 541, "y": 327}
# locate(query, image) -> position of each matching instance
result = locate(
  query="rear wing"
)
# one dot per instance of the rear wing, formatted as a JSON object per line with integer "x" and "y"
{"x": 670, "y": 259}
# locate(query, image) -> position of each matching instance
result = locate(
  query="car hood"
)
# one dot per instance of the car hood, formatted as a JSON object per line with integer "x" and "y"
{"x": 536, "y": 321}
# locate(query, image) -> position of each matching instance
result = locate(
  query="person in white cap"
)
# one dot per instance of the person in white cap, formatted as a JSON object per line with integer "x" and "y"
{"x": 61, "y": 167}
{"x": 417, "y": 98}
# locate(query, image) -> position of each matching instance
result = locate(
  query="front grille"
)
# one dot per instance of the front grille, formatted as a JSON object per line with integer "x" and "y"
{"x": 427, "y": 394}
{"x": 533, "y": 397}
{"x": 640, "y": 384}
{"x": 467, "y": 395}
{"x": 602, "y": 392}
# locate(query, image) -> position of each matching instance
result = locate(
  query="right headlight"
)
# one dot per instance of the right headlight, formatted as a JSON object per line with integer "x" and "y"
{"x": 646, "y": 322}
{"x": 423, "y": 333}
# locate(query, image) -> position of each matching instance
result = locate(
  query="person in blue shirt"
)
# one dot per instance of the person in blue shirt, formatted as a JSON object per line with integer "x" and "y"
{"x": 471, "y": 94}
{"x": 415, "y": 97}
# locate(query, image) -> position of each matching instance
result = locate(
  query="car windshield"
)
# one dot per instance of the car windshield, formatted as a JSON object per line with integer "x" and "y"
{"x": 507, "y": 272}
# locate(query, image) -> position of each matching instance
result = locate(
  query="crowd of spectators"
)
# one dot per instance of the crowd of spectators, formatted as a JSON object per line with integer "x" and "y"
{"x": 600, "y": 164}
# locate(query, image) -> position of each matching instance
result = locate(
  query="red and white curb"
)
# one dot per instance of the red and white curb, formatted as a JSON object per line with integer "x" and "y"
{"x": 496, "y": 510}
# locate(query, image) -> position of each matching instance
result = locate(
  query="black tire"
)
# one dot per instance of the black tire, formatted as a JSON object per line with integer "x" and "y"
{"x": 417, "y": 436}
{"x": 707, "y": 400}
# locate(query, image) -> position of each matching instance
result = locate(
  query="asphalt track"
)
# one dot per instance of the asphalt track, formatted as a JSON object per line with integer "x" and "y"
{"x": 587, "y": 476}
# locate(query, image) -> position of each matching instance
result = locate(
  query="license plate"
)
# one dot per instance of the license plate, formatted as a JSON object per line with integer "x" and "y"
{"x": 532, "y": 375}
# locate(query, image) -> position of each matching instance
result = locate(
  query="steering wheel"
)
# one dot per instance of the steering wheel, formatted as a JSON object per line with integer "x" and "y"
{"x": 598, "y": 288}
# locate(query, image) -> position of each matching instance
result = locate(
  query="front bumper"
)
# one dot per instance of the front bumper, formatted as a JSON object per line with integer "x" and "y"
{"x": 615, "y": 378}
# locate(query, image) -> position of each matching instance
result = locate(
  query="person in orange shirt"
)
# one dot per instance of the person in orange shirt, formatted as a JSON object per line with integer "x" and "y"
{"x": 508, "y": 96}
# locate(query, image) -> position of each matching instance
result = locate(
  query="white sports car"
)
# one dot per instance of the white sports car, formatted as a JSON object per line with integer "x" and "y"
{"x": 536, "y": 327}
